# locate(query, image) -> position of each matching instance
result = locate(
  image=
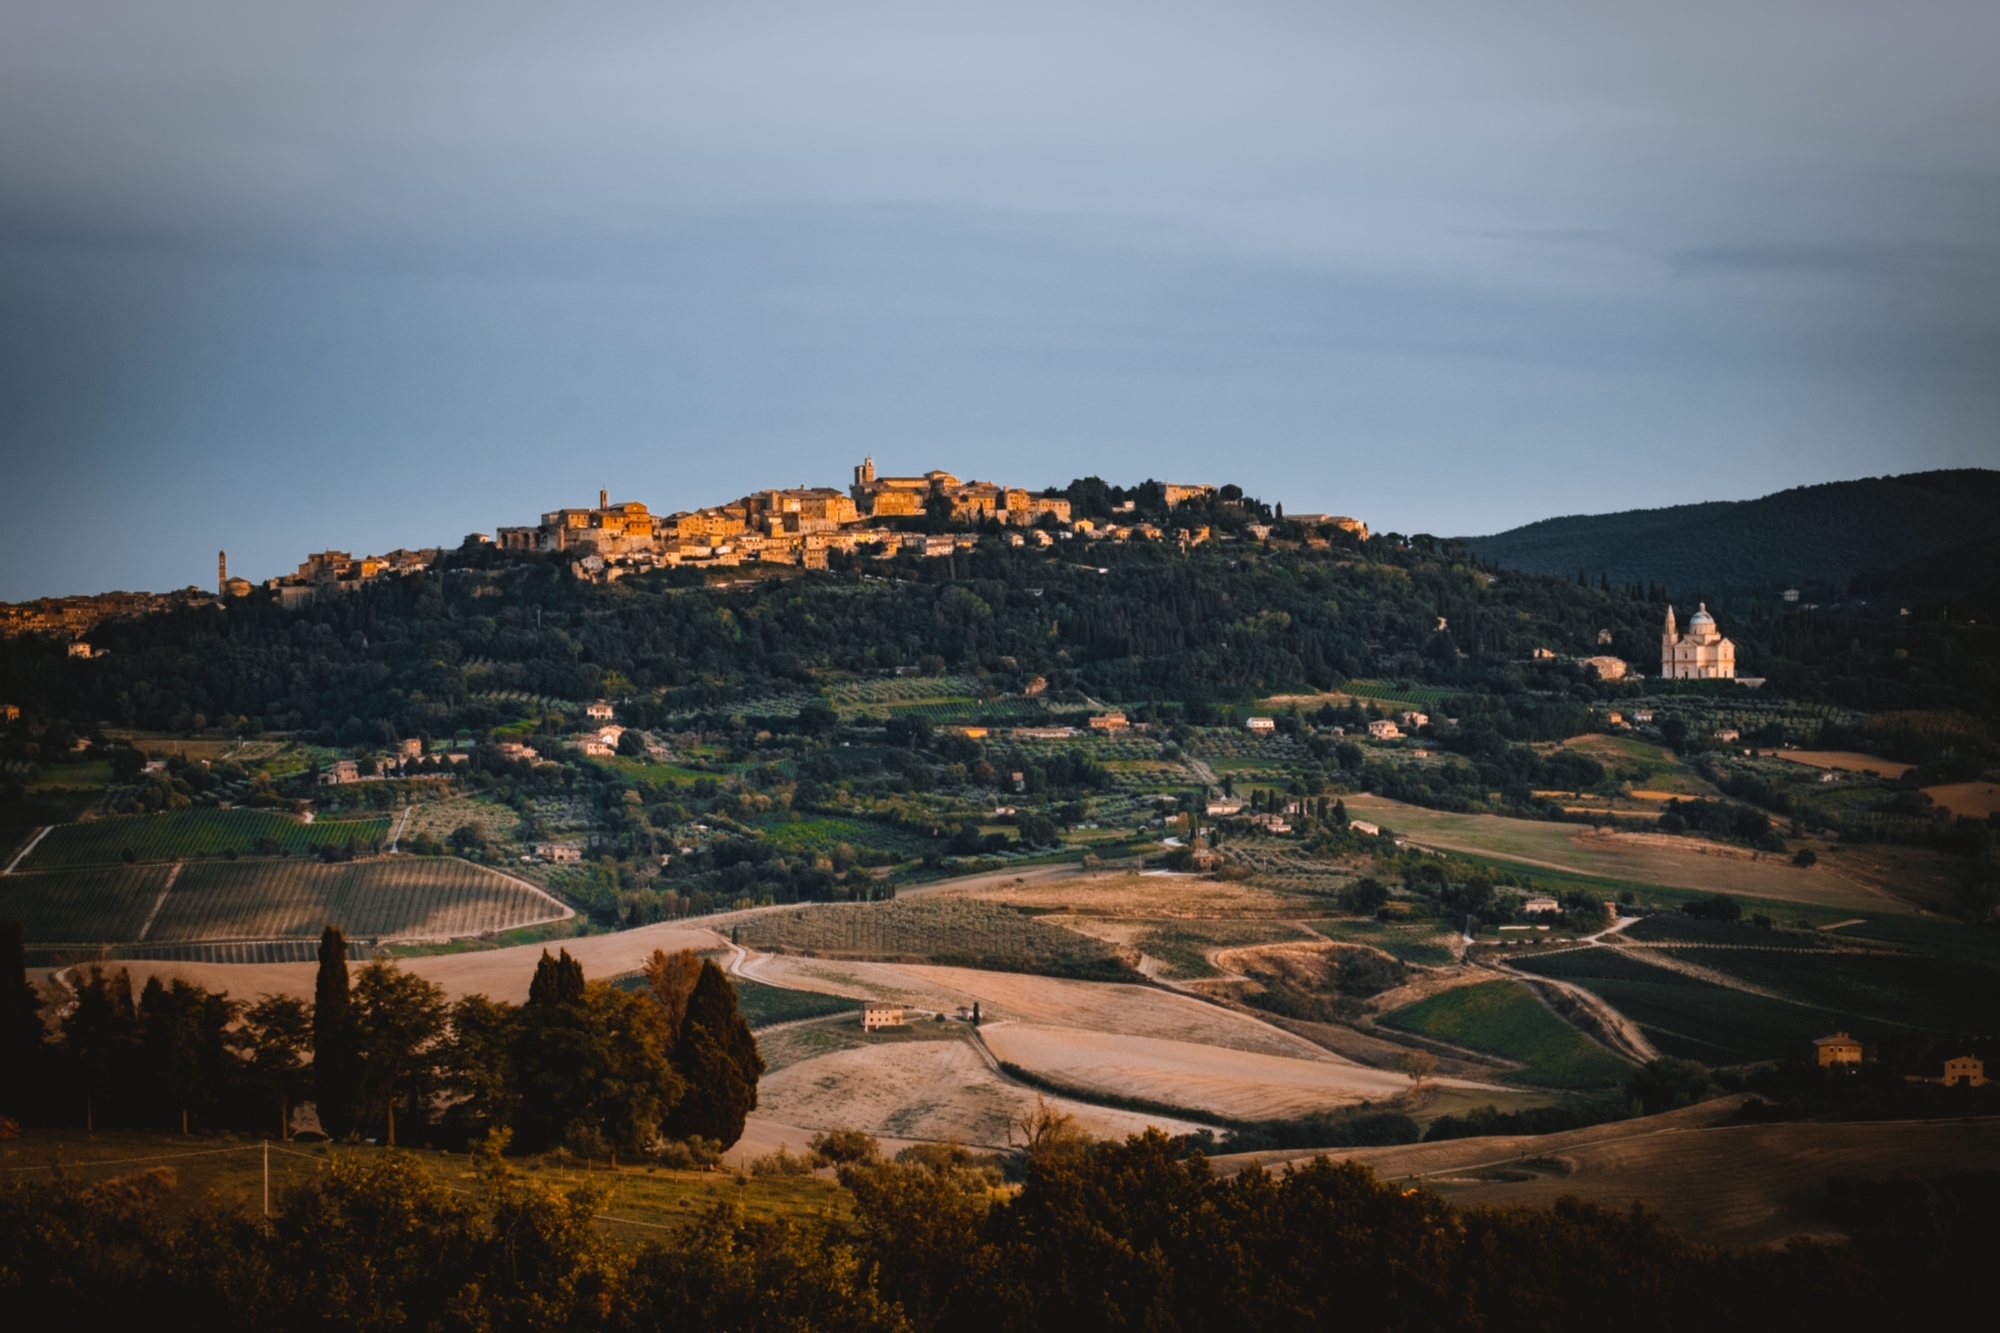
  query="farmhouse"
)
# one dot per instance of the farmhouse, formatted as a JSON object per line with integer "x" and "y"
{"x": 1539, "y": 906}
{"x": 1363, "y": 826}
{"x": 1838, "y": 1049}
{"x": 876, "y": 1014}
{"x": 1109, "y": 722}
{"x": 1414, "y": 721}
{"x": 1229, "y": 805}
{"x": 343, "y": 770}
{"x": 1383, "y": 730}
{"x": 561, "y": 853}
{"x": 1262, "y": 725}
{"x": 1964, "y": 1071}
{"x": 600, "y": 711}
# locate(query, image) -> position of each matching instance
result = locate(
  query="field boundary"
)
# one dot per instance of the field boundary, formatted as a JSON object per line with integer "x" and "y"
{"x": 22, "y": 855}
{"x": 159, "y": 902}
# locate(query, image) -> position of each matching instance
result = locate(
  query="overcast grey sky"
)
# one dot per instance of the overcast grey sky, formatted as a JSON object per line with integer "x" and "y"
{"x": 276, "y": 277}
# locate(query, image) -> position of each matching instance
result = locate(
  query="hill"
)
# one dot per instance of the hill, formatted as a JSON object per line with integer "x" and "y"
{"x": 1807, "y": 537}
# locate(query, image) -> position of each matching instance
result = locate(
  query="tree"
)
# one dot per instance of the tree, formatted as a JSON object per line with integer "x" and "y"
{"x": 21, "y": 1049}
{"x": 333, "y": 1037}
{"x": 717, "y": 1056}
{"x": 100, "y": 1037}
{"x": 1419, "y": 1065}
{"x": 184, "y": 1054}
{"x": 398, "y": 1021}
{"x": 594, "y": 1062}
{"x": 277, "y": 1033}
{"x": 478, "y": 1069}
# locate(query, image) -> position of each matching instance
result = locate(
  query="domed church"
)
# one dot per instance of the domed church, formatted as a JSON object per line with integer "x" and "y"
{"x": 1700, "y": 654}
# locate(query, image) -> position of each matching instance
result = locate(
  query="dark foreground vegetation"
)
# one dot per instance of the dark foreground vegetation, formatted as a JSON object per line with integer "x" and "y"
{"x": 1137, "y": 1234}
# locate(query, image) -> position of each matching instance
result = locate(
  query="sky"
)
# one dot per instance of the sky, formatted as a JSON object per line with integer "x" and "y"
{"x": 283, "y": 276}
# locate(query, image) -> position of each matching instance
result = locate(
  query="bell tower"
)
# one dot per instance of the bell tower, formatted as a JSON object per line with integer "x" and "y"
{"x": 221, "y": 573}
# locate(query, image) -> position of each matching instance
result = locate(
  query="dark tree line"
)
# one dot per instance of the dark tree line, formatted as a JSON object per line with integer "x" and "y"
{"x": 1142, "y": 1234}
{"x": 585, "y": 1066}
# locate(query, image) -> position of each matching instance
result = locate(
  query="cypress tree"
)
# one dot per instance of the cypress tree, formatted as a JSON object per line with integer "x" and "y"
{"x": 333, "y": 1037}
{"x": 557, "y": 1053}
{"x": 718, "y": 1057}
{"x": 20, "y": 1024}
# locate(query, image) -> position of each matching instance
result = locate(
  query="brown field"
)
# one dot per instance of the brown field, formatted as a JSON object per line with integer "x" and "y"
{"x": 1673, "y": 862}
{"x": 1134, "y": 895}
{"x": 925, "y": 1090}
{"x": 1972, "y": 800}
{"x": 1243, "y": 1085}
{"x": 1096, "y": 1006}
{"x": 1736, "y": 1186}
{"x": 1848, "y": 761}
{"x": 502, "y": 974}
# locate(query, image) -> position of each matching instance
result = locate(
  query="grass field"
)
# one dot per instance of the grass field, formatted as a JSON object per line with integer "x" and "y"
{"x": 1936, "y": 994}
{"x": 181, "y": 834}
{"x": 639, "y": 1202}
{"x": 1504, "y": 1018}
{"x": 965, "y": 931}
{"x": 763, "y": 1005}
{"x": 1426, "y": 943}
{"x": 1674, "y": 928}
{"x": 1688, "y": 1017}
{"x": 425, "y": 897}
{"x": 818, "y": 835}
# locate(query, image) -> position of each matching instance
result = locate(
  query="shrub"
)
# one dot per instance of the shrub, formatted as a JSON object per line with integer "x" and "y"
{"x": 690, "y": 1154}
{"x": 846, "y": 1145}
{"x": 782, "y": 1163}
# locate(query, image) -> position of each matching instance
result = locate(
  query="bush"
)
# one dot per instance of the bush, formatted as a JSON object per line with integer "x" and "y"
{"x": 782, "y": 1163}
{"x": 1719, "y": 907}
{"x": 690, "y": 1154}
{"x": 846, "y": 1145}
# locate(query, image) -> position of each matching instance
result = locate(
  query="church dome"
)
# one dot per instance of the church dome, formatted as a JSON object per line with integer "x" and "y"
{"x": 1701, "y": 617}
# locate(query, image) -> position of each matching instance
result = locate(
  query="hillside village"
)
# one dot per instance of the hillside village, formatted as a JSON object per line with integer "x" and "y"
{"x": 931, "y": 515}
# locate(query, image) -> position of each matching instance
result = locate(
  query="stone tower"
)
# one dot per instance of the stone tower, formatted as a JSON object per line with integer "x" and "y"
{"x": 221, "y": 573}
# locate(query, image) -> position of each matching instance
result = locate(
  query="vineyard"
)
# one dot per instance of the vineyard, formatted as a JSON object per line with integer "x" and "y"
{"x": 182, "y": 834}
{"x": 102, "y": 906}
{"x": 1687, "y": 1017}
{"x": 422, "y": 897}
{"x": 961, "y": 932}
{"x": 1503, "y": 1018}
{"x": 762, "y": 1005}
{"x": 1932, "y": 993}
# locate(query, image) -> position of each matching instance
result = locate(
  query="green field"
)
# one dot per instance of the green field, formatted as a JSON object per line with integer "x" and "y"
{"x": 1688, "y": 1017}
{"x": 1927, "y": 935}
{"x": 957, "y": 931}
{"x": 1674, "y": 928}
{"x": 1424, "y": 943}
{"x": 763, "y": 1005}
{"x": 180, "y": 834}
{"x": 1504, "y": 1018}
{"x": 1936, "y": 994}
{"x": 818, "y": 835}
{"x": 427, "y": 897}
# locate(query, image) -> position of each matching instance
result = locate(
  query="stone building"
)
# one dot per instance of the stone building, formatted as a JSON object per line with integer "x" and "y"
{"x": 1700, "y": 654}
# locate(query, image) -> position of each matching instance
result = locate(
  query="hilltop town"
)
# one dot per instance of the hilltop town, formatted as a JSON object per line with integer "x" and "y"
{"x": 877, "y": 517}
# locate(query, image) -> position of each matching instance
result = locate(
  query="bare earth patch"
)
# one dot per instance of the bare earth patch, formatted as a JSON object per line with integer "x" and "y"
{"x": 1129, "y": 895}
{"x": 1139, "y": 1011}
{"x": 926, "y": 1090}
{"x": 1847, "y": 761}
{"x": 1247, "y": 1085}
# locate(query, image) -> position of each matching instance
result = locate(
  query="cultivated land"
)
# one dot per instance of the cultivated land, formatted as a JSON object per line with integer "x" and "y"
{"x": 1970, "y": 800}
{"x": 1847, "y": 761}
{"x": 1690, "y": 864}
{"x": 1504, "y": 1018}
{"x": 1240, "y": 1085}
{"x": 270, "y": 901}
{"x": 1732, "y": 1186}
{"x": 185, "y": 834}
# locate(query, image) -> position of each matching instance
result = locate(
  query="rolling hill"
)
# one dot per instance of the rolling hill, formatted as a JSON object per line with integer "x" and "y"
{"x": 1813, "y": 537}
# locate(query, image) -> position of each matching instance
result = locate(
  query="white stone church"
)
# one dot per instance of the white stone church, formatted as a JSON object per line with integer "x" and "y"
{"x": 1700, "y": 654}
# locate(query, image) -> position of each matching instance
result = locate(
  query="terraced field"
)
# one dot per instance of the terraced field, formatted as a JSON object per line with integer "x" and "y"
{"x": 265, "y": 900}
{"x": 182, "y": 834}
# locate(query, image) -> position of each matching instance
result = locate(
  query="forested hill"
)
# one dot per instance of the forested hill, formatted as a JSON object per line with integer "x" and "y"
{"x": 1812, "y": 537}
